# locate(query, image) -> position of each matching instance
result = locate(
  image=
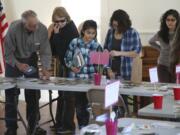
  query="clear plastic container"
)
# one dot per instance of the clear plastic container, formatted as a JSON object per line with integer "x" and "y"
{"x": 92, "y": 129}
{"x": 103, "y": 80}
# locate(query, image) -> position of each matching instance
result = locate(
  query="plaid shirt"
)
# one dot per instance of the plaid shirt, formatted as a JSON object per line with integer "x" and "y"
{"x": 130, "y": 42}
{"x": 88, "y": 69}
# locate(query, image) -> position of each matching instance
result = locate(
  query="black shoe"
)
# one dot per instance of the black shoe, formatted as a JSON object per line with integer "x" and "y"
{"x": 55, "y": 127}
{"x": 40, "y": 131}
{"x": 11, "y": 132}
{"x": 119, "y": 111}
{"x": 81, "y": 126}
{"x": 63, "y": 131}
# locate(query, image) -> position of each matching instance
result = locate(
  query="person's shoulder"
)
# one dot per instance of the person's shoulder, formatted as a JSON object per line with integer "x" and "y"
{"x": 71, "y": 26}
{"x": 51, "y": 26}
{"x": 75, "y": 40}
{"x": 42, "y": 27}
{"x": 110, "y": 30}
{"x": 132, "y": 31}
{"x": 95, "y": 43}
{"x": 15, "y": 26}
{"x": 71, "y": 23}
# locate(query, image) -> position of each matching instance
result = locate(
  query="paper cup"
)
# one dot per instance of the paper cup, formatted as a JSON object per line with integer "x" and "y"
{"x": 111, "y": 127}
{"x": 97, "y": 78}
{"x": 158, "y": 101}
{"x": 176, "y": 91}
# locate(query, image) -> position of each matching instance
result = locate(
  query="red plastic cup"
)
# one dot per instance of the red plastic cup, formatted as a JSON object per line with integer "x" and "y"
{"x": 158, "y": 101}
{"x": 111, "y": 127}
{"x": 176, "y": 91}
{"x": 97, "y": 78}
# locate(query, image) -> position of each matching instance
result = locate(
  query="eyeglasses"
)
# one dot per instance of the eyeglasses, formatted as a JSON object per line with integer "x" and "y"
{"x": 170, "y": 20}
{"x": 60, "y": 21}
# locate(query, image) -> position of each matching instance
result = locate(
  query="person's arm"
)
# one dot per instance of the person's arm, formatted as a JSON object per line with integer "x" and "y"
{"x": 69, "y": 55}
{"x": 10, "y": 47}
{"x": 68, "y": 59}
{"x": 134, "y": 44}
{"x": 72, "y": 32}
{"x": 107, "y": 40}
{"x": 45, "y": 52}
{"x": 50, "y": 30}
{"x": 53, "y": 38}
{"x": 154, "y": 42}
{"x": 132, "y": 54}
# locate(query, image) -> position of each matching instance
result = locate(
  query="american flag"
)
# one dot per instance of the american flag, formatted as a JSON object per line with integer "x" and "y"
{"x": 3, "y": 31}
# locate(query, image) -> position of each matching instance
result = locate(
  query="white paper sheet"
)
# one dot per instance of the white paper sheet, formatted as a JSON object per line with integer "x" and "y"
{"x": 111, "y": 93}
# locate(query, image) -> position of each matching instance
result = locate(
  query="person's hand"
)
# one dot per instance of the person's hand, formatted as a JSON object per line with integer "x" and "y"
{"x": 110, "y": 74}
{"x": 45, "y": 74}
{"x": 22, "y": 66}
{"x": 106, "y": 50}
{"x": 114, "y": 53}
{"x": 75, "y": 69}
{"x": 56, "y": 28}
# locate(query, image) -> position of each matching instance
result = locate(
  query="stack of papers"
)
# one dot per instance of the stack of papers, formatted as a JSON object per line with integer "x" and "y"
{"x": 177, "y": 109}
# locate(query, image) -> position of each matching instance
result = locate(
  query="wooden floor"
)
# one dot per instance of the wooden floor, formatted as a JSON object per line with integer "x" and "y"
{"x": 21, "y": 131}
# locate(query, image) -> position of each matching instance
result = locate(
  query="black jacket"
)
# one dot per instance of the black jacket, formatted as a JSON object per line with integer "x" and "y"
{"x": 60, "y": 41}
{"x": 1, "y": 7}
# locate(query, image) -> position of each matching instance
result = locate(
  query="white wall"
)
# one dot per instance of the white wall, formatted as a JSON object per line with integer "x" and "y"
{"x": 145, "y": 14}
{"x": 43, "y": 8}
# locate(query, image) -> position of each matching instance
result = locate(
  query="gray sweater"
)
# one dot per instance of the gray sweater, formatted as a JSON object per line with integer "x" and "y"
{"x": 164, "y": 48}
{"x": 19, "y": 43}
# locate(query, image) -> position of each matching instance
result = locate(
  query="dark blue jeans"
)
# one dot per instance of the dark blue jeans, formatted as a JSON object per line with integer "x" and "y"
{"x": 65, "y": 105}
{"x": 81, "y": 109}
{"x": 31, "y": 97}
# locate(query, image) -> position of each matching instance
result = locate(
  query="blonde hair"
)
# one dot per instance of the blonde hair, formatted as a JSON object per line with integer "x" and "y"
{"x": 60, "y": 12}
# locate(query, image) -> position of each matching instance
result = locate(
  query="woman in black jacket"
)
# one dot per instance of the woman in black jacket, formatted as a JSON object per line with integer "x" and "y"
{"x": 61, "y": 32}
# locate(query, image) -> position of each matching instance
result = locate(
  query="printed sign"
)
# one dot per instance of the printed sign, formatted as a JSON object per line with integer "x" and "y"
{"x": 178, "y": 68}
{"x": 153, "y": 75}
{"x": 111, "y": 94}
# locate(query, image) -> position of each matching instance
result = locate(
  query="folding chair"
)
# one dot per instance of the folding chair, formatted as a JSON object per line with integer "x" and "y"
{"x": 96, "y": 98}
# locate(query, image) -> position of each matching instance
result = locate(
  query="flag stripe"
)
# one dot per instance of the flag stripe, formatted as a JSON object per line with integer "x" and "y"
{"x": 3, "y": 30}
{"x": 3, "y": 16}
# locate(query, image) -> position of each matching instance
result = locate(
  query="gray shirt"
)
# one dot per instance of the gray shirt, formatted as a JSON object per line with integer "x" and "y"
{"x": 164, "y": 48}
{"x": 19, "y": 43}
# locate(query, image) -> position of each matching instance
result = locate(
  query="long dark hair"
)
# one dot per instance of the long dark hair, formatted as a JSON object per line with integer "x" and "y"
{"x": 122, "y": 18}
{"x": 87, "y": 25}
{"x": 164, "y": 30}
{"x": 175, "y": 51}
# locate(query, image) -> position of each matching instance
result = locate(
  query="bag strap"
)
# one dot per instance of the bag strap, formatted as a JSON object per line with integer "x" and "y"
{"x": 99, "y": 49}
{"x": 77, "y": 44}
